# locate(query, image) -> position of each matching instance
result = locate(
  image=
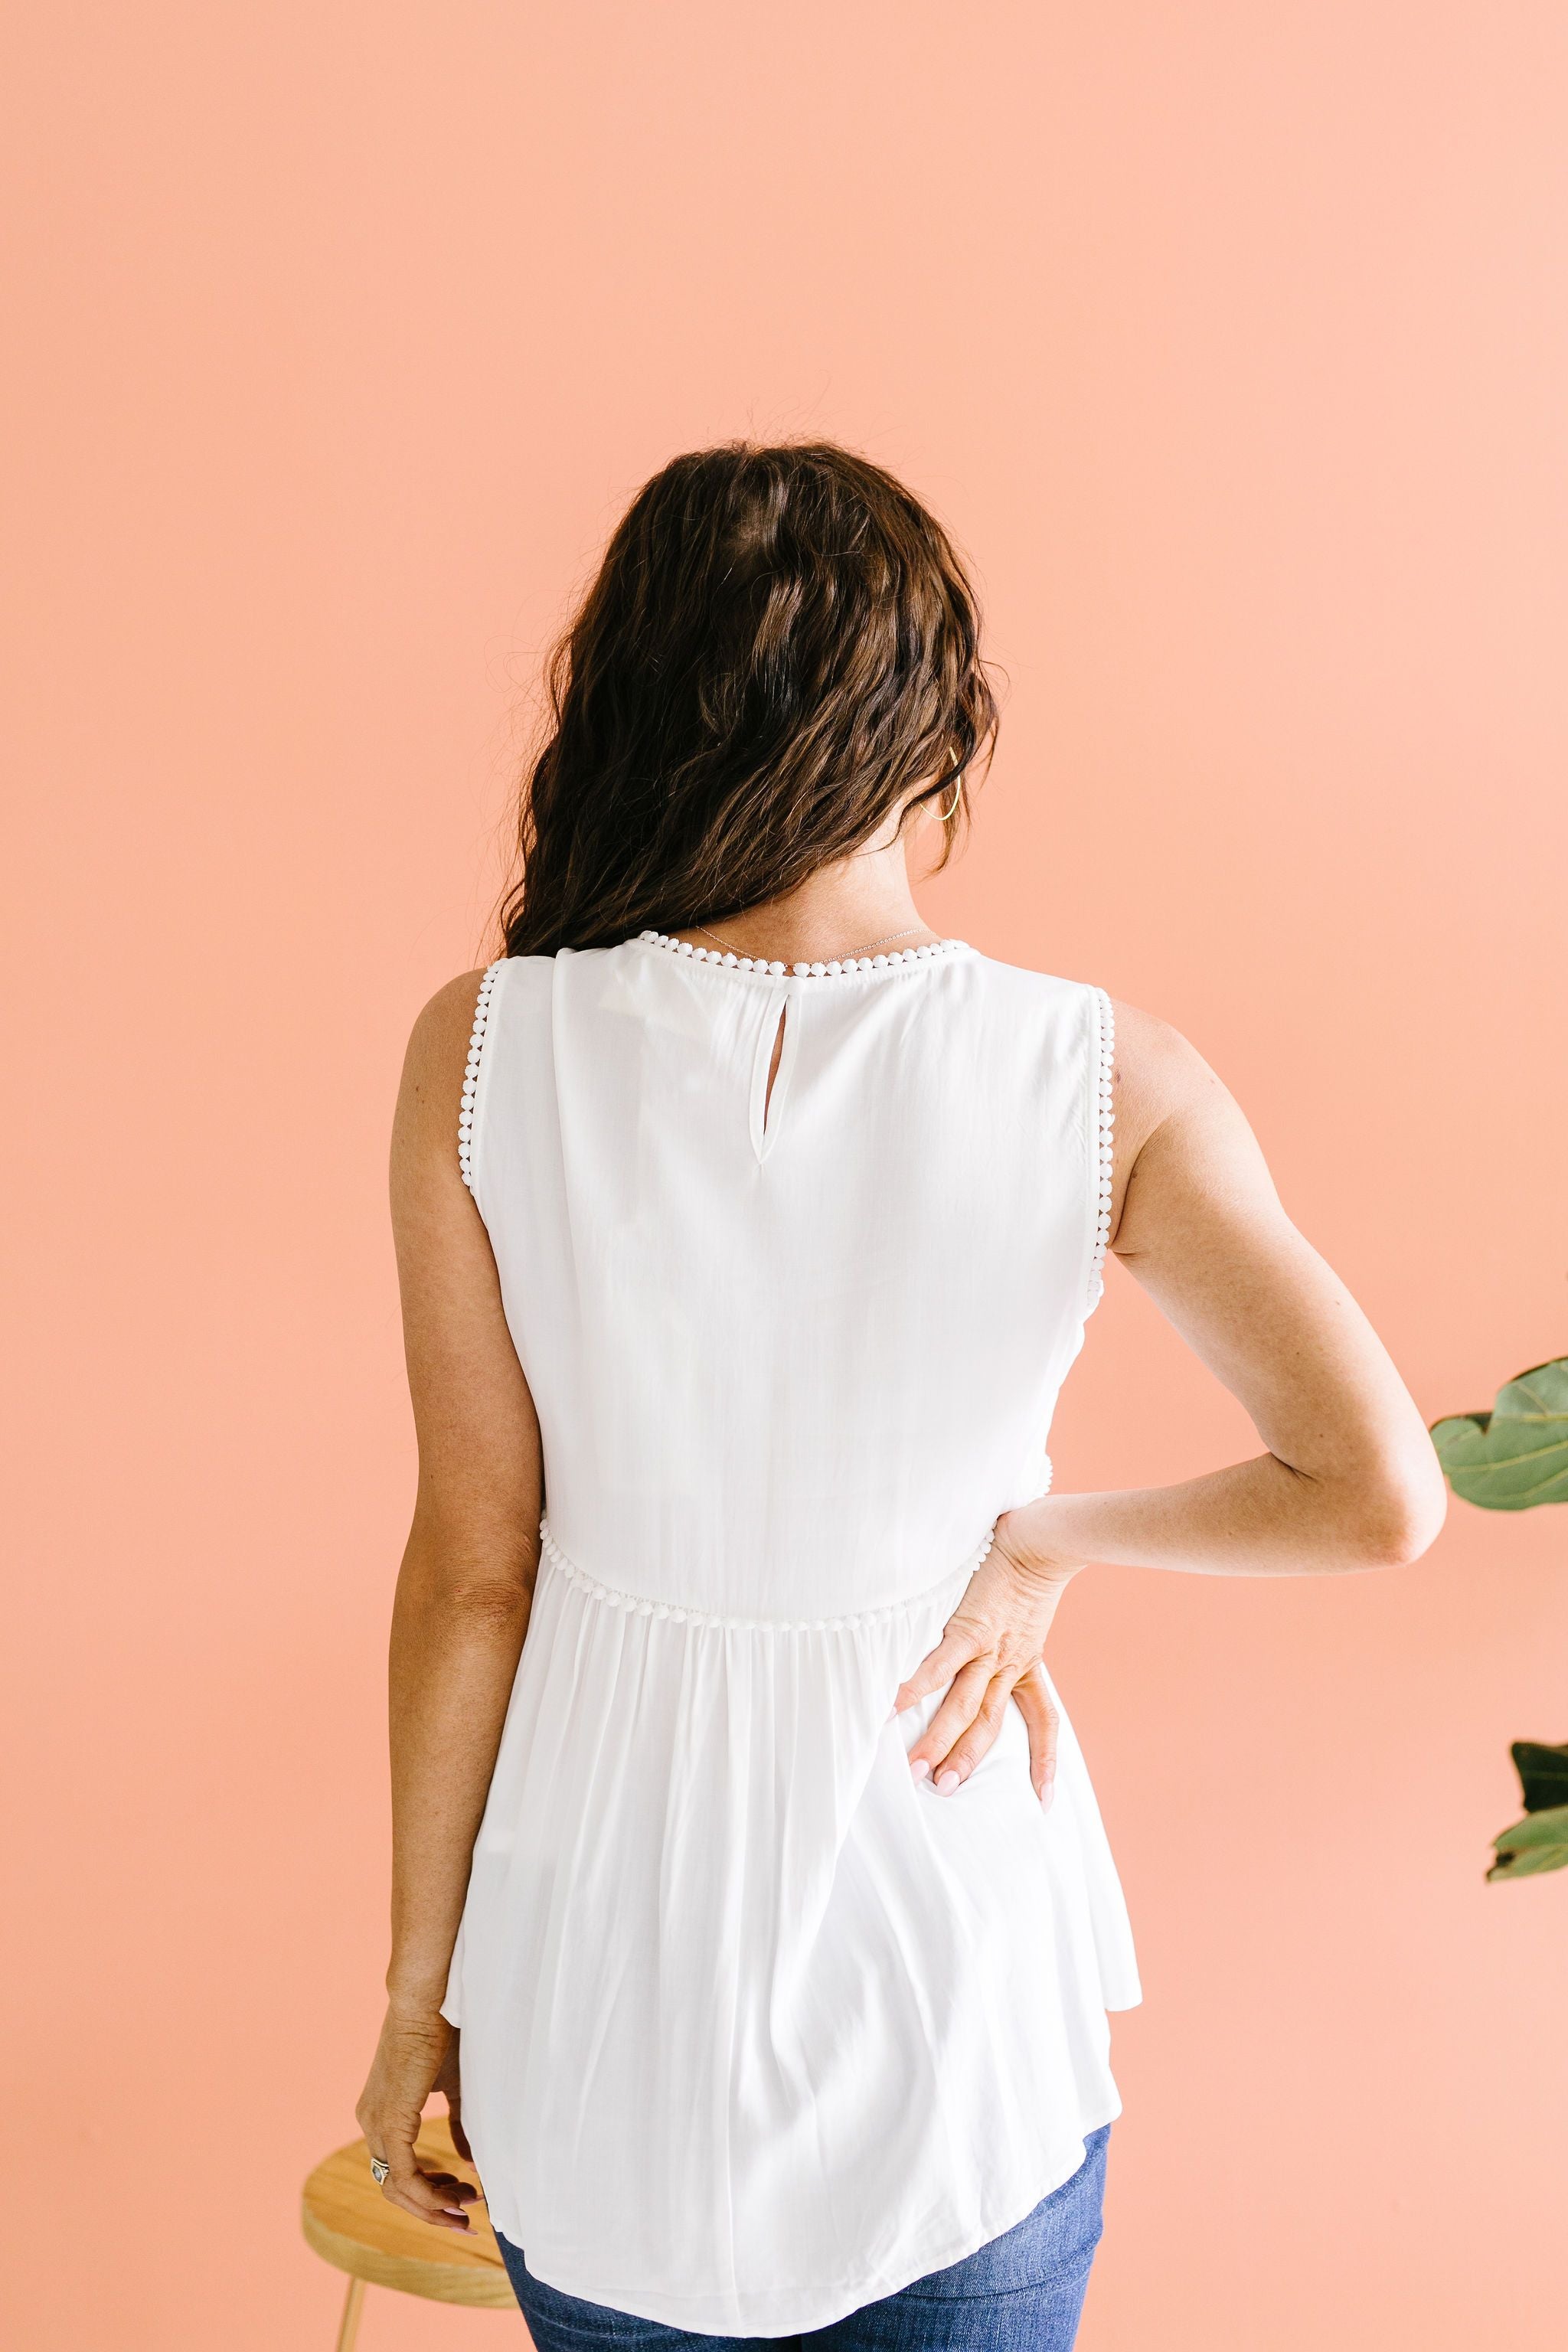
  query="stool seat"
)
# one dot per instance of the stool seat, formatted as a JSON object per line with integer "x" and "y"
{"x": 349, "y": 2224}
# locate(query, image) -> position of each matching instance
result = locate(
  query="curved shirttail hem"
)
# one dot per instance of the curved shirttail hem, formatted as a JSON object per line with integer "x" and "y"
{"x": 638, "y": 1606}
{"x": 841, "y": 2301}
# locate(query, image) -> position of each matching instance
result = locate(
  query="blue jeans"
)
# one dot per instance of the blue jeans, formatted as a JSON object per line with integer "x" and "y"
{"x": 1022, "y": 2293}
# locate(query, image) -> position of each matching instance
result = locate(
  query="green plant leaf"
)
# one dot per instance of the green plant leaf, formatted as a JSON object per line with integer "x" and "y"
{"x": 1542, "y": 1774}
{"x": 1515, "y": 1456}
{"x": 1538, "y": 1843}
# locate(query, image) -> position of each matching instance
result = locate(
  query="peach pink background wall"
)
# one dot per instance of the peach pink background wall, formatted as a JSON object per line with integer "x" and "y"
{"x": 1233, "y": 341}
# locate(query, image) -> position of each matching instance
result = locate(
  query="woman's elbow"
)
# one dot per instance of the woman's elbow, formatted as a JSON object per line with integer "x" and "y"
{"x": 1400, "y": 1513}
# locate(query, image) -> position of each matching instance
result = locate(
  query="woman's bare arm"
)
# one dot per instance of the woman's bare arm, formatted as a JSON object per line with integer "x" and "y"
{"x": 1349, "y": 1478}
{"x": 463, "y": 1592}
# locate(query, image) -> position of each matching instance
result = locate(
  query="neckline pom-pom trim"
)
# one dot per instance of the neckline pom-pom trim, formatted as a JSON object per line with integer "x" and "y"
{"x": 845, "y": 968}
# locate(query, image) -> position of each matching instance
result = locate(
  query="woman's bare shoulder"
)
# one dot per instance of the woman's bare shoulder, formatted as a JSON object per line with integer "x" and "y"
{"x": 429, "y": 1098}
{"x": 448, "y": 1015}
{"x": 1156, "y": 1072}
{"x": 1162, "y": 1089}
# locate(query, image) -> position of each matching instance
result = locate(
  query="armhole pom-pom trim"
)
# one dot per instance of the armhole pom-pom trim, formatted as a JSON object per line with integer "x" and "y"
{"x": 471, "y": 1075}
{"x": 1104, "y": 1120}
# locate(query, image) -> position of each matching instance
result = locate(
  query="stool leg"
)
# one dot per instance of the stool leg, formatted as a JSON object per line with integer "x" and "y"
{"x": 348, "y": 2326}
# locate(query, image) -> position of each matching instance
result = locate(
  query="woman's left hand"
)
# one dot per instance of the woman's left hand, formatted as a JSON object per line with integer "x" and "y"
{"x": 990, "y": 1654}
{"x": 418, "y": 2053}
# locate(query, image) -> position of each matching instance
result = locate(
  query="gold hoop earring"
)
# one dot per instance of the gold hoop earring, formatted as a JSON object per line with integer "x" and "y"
{"x": 946, "y": 816}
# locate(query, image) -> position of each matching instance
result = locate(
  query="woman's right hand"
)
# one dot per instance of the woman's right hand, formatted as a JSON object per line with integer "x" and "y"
{"x": 990, "y": 1656}
{"x": 418, "y": 2053}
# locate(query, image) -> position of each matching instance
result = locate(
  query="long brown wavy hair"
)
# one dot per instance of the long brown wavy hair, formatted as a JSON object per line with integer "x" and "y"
{"x": 780, "y": 645}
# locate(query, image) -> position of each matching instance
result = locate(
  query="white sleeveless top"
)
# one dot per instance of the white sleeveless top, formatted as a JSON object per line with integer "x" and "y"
{"x": 756, "y": 2027}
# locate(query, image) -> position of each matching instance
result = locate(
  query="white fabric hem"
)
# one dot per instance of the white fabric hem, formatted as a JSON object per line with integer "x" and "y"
{"x": 777, "y": 2314}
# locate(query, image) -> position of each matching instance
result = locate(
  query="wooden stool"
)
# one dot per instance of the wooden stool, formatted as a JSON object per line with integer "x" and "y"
{"x": 351, "y": 2225}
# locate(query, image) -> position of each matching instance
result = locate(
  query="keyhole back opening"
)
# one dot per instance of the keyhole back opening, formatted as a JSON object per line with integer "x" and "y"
{"x": 770, "y": 1071}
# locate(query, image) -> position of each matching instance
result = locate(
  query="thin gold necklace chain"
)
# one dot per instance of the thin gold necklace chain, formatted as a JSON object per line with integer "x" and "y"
{"x": 885, "y": 942}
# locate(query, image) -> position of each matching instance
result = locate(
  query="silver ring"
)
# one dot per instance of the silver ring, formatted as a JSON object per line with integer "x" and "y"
{"x": 379, "y": 2169}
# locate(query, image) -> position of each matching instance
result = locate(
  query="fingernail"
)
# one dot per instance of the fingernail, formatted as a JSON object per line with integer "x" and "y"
{"x": 921, "y": 1771}
{"x": 1047, "y": 1795}
{"x": 947, "y": 1783}
{"x": 893, "y": 1714}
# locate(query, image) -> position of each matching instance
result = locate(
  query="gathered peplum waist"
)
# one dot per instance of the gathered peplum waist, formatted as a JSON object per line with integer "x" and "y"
{"x": 641, "y": 1605}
